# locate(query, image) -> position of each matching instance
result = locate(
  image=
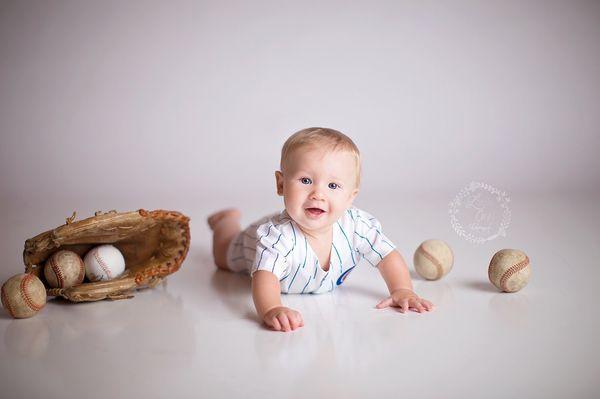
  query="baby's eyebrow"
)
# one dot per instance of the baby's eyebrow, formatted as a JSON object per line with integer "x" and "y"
{"x": 336, "y": 178}
{"x": 301, "y": 172}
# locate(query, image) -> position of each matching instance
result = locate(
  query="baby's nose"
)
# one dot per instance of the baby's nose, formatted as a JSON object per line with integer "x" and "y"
{"x": 317, "y": 193}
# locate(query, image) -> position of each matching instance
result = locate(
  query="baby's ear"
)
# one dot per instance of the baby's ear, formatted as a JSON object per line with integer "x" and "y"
{"x": 279, "y": 182}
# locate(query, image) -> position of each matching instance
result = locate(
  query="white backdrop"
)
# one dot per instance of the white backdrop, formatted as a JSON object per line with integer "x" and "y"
{"x": 154, "y": 98}
{"x": 185, "y": 105}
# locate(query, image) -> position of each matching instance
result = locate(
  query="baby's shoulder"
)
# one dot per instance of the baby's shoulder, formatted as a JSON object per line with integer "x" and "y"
{"x": 278, "y": 222}
{"x": 276, "y": 231}
{"x": 355, "y": 214}
{"x": 358, "y": 218}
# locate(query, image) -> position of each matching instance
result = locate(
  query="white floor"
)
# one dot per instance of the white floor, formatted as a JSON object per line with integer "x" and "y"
{"x": 197, "y": 335}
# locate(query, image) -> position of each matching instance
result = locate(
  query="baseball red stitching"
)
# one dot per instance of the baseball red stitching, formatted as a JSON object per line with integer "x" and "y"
{"x": 81, "y": 271}
{"x": 435, "y": 262}
{"x": 25, "y": 294}
{"x": 102, "y": 264}
{"x": 511, "y": 271}
{"x": 6, "y": 303}
{"x": 57, "y": 272}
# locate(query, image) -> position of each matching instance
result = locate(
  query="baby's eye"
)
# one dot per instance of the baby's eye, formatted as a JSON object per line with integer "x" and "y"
{"x": 333, "y": 186}
{"x": 305, "y": 180}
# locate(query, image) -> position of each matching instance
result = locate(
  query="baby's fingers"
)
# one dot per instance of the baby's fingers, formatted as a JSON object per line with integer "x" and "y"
{"x": 419, "y": 307}
{"x": 294, "y": 321}
{"x": 385, "y": 303}
{"x": 404, "y": 305}
{"x": 274, "y": 323}
{"x": 428, "y": 305}
{"x": 299, "y": 321}
{"x": 283, "y": 320}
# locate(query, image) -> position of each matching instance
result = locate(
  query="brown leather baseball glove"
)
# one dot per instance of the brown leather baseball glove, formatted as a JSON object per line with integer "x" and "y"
{"x": 153, "y": 243}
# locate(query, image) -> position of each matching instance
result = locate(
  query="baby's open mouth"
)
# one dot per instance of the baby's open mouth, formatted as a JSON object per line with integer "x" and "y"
{"x": 315, "y": 211}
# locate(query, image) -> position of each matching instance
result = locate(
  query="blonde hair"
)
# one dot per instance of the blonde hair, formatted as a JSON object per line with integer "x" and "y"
{"x": 321, "y": 137}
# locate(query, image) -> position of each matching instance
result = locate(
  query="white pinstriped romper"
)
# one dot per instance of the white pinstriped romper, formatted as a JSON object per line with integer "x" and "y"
{"x": 275, "y": 243}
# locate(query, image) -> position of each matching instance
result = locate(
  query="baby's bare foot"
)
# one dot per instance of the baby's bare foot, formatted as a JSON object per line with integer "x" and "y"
{"x": 218, "y": 217}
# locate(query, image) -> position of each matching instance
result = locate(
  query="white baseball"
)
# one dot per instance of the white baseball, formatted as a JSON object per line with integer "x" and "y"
{"x": 433, "y": 259}
{"x": 509, "y": 270}
{"x": 104, "y": 262}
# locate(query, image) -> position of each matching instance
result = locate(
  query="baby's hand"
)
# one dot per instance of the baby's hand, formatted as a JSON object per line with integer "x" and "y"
{"x": 406, "y": 299}
{"x": 283, "y": 319}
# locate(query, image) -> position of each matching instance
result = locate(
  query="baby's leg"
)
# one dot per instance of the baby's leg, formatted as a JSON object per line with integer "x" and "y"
{"x": 225, "y": 226}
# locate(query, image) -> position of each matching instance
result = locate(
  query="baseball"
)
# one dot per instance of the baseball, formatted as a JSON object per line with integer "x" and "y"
{"x": 23, "y": 295}
{"x": 509, "y": 270}
{"x": 64, "y": 269}
{"x": 433, "y": 259}
{"x": 104, "y": 262}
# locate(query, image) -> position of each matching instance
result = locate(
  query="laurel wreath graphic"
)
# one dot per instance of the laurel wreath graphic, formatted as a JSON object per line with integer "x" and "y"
{"x": 502, "y": 200}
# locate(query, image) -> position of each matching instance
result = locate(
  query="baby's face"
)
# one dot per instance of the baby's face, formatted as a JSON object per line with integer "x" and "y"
{"x": 317, "y": 187}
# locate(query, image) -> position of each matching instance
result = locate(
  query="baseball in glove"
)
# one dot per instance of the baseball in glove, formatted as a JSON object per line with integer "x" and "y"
{"x": 153, "y": 243}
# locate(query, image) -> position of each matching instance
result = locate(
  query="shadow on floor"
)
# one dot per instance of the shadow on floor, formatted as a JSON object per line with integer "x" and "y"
{"x": 374, "y": 294}
{"x": 235, "y": 291}
{"x": 479, "y": 285}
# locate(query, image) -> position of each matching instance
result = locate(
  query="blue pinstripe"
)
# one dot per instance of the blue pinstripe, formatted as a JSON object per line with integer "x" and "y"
{"x": 305, "y": 252}
{"x": 293, "y": 245}
{"x": 278, "y": 238}
{"x": 305, "y": 286}
{"x": 322, "y": 280}
{"x": 364, "y": 257}
{"x": 348, "y": 241}
{"x": 293, "y": 231}
{"x": 338, "y": 255}
{"x": 378, "y": 232}
{"x": 261, "y": 256}
{"x": 268, "y": 232}
{"x": 293, "y": 278}
{"x": 373, "y": 248}
{"x": 351, "y": 215}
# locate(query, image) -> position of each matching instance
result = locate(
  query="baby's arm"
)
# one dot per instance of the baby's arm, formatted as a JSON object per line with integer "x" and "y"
{"x": 395, "y": 273}
{"x": 266, "y": 293}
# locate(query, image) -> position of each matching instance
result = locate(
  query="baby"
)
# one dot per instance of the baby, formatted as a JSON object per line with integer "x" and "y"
{"x": 318, "y": 239}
